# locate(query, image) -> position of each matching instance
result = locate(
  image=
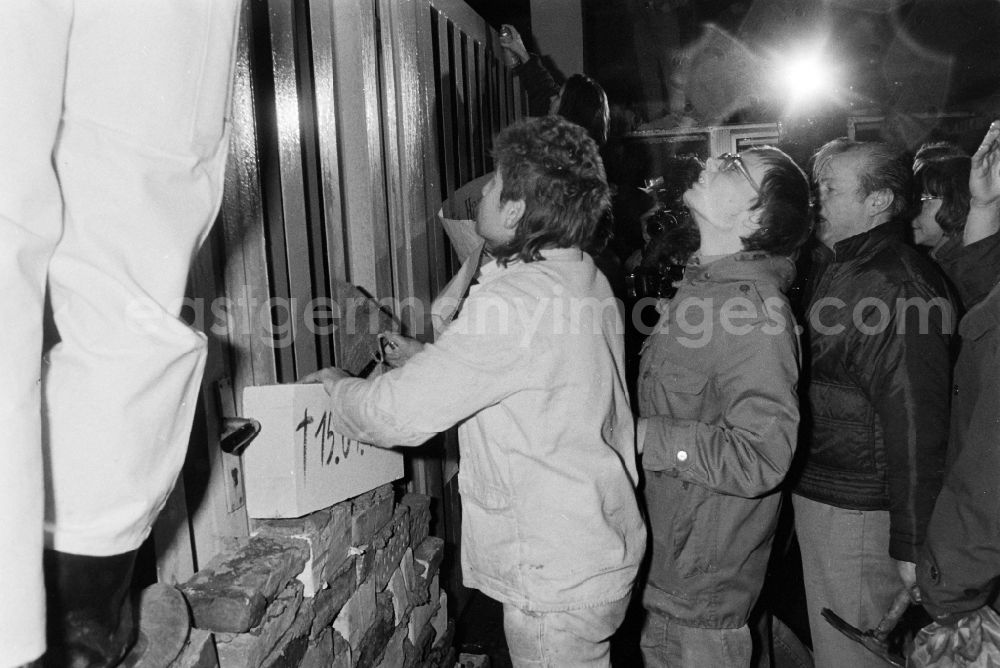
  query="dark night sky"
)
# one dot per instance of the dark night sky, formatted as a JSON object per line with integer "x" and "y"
{"x": 917, "y": 56}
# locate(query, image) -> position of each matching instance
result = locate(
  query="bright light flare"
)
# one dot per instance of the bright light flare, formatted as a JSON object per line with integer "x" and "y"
{"x": 806, "y": 78}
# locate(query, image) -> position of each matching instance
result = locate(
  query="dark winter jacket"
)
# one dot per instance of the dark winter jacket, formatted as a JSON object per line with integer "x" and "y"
{"x": 879, "y": 325}
{"x": 538, "y": 84}
{"x": 718, "y": 386}
{"x": 959, "y": 567}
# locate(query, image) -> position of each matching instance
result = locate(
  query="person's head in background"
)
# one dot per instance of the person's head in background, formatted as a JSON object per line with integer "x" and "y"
{"x": 936, "y": 151}
{"x": 861, "y": 185}
{"x": 942, "y": 181}
{"x": 549, "y": 191}
{"x": 584, "y": 102}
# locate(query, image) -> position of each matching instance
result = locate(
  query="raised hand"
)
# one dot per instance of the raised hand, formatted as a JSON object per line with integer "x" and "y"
{"x": 513, "y": 45}
{"x": 984, "y": 189}
{"x": 984, "y": 180}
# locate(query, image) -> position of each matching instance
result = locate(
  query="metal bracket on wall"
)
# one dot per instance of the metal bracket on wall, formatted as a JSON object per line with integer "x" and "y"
{"x": 236, "y": 434}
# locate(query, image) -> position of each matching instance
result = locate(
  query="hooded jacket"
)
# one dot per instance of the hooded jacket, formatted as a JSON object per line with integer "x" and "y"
{"x": 717, "y": 384}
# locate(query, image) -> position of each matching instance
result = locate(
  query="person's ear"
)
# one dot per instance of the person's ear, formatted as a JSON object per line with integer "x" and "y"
{"x": 749, "y": 223}
{"x": 513, "y": 211}
{"x": 879, "y": 201}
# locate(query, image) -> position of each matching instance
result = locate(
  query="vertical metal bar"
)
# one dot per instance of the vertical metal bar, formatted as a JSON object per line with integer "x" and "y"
{"x": 460, "y": 92}
{"x": 356, "y": 83}
{"x": 429, "y": 80}
{"x": 445, "y": 105}
{"x": 293, "y": 196}
{"x": 406, "y": 128}
{"x": 331, "y": 203}
{"x": 472, "y": 72}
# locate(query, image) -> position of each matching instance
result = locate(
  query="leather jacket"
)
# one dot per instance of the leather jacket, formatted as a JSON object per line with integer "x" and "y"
{"x": 879, "y": 325}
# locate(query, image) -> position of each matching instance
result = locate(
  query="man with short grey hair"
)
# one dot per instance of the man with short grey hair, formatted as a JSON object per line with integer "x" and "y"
{"x": 879, "y": 328}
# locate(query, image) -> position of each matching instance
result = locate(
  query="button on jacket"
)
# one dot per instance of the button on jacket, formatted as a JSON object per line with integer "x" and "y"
{"x": 879, "y": 325}
{"x": 718, "y": 384}
{"x": 533, "y": 370}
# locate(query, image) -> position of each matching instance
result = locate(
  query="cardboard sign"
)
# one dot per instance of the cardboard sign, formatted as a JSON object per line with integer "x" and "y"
{"x": 297, "y": 464}
{"x": 458, "y": 217}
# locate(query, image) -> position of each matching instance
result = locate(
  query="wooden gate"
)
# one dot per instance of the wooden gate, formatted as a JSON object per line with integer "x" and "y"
{"x": 352, "y": 121}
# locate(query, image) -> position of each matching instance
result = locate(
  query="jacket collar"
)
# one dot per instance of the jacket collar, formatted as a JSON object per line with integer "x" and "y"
{"x": 494, "y": 268}
{"x": 744, "y": 266}
{"x": 864, "y": 243}
{"x": 982, "y": 317}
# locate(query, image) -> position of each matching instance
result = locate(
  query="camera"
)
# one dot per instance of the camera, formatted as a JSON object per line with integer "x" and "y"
{"x": 654, "y": 282}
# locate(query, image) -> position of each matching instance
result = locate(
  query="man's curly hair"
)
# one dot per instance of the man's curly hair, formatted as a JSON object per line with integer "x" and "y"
{"x": 554, "y": 166}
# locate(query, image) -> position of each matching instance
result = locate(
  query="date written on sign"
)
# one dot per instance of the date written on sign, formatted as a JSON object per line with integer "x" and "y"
{"x": 298, "y": 464}
{"x": 328, "y": 444}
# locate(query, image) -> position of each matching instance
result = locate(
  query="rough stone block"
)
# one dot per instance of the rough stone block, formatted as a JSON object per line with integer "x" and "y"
{"x": 420, "y": 618}
{"x": 319, "y": 653}
{"x": 427, "y": 557}
{"x": 440, "y": 620}
{"x": 289, "y": 654}
{"x": 329, "y": 601}
{"x": 400, "y": 596}
{"x": 424, "y": 642}
{"x": 343, "y": 655}
{"x": 199, "y": 651}
{"x": 419, "y": 593}
{"x": 364, "y": 563}
{"x": 241, "y": 650}
{"x": 444, "y": 643}
{"x": 328, "y": 534}
{"x": 420, "y": 515}
{"x": 357, "y": 615}
{"x": 370, "y": 512}
{"x": 374, "y": 642}
{"x": 290, "y": 649}
{"x": 395, "y": 653}
{"x": 435, "y": 589}
{"x": 232, "y": 593}
{"x": 391, "y": 542}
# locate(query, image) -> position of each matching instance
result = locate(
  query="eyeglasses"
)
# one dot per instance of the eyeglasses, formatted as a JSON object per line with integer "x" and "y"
{"x": 731, "y": 161}
{"x": 927, "y": 197}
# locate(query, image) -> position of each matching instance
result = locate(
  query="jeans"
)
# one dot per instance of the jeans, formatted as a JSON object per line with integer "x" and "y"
{"x": 846, "y": 567}
{"x": 668, "y": 644}
{"x": 579, "y": 638}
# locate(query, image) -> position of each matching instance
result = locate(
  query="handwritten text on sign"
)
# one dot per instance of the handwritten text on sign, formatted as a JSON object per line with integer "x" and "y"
{"x": 298, "y": 464}
{"x": 332, "y": 446}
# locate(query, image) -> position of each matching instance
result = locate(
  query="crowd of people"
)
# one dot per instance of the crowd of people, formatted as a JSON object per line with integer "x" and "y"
{"x": 851, "y": 406}
{"x": 870, "y": 406}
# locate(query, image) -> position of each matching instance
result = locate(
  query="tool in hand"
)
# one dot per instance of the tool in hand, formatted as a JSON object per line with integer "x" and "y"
{"x": 874, "y": 640}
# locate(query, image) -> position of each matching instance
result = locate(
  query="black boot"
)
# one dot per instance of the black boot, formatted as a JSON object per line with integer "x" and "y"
{"x": 89, "y": 610}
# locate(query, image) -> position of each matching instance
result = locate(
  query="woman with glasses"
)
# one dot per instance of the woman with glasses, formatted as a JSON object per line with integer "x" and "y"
{"x": 942, "y": 174}
{"x": 957, "y": 568}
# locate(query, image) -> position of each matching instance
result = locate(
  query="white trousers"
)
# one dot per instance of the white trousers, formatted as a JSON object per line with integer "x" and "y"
{"x": 113, "y": 140}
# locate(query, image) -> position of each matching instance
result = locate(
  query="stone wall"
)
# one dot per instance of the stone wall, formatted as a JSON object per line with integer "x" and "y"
{"x": 352, "y": 585}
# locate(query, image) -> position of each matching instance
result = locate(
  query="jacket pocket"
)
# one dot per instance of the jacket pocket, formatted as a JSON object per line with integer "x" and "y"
{"x": 844, "y": 428}
{"x": 684, "y": 520}
{"x": 676, "y": 392}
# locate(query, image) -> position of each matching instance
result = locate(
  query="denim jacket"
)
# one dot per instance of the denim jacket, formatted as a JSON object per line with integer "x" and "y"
{"x": 533, "y": 370}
